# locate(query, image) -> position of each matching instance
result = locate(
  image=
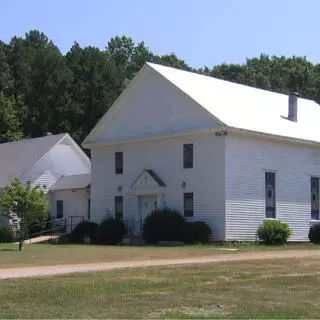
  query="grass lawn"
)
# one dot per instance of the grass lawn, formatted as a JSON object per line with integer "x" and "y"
{"x": 49, "y": 254}
{"x": 286, "y": 288}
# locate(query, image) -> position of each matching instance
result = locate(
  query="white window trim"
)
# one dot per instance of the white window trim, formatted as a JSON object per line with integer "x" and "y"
{"x": 188, "y": 217}
{"x": 193, "y": 154}
{"x": 273, "y": 219}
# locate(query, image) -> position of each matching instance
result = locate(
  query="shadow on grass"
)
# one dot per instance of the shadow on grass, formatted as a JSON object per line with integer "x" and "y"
{"x": 8, "y": 249}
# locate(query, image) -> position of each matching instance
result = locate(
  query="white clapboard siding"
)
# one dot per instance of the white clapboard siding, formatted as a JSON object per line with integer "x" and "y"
{"x": 75, "y": 202}
{"x": 60, "y": 160}
{"x": 165, "y": 158}
{"x": 247, "y": 159}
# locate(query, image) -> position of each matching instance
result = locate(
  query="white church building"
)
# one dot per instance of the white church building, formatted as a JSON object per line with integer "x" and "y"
{"x": 228, "y": 154}
{"x": 57, "y": 165}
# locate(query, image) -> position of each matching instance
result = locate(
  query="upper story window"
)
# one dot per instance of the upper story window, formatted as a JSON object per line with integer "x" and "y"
{"x": 188, "y": 204}
{"x": 270, "y": 194}
{"x": 188, "y": 156}
{"x": 314, "y": 198}
{"x": 119, "y": 162}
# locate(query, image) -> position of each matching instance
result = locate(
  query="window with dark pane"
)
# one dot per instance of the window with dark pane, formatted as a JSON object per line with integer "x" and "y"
{"x": 119, "y": 207}
{"x": 119, "y": 162}
{"x": 270, "y": 194}
{"x": 188, "y": 204}
{"x": 89, "y": 209}
{"x": 59, "y": 204}
{"x": 188, "y": 156}
{"x": 314, "y": 198}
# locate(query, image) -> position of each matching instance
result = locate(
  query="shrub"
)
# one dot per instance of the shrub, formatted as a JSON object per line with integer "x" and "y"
{"x": 83, "y": 230}
{"x": 196, "y": 232}
{"x": 163, "y": 225}
{"x": 33, "y": 229}
{"x": 4, "y": 220}
{"x": 38, "y": 226}
{"x": 314, "y": 233}
{"x": 273, "y": 232}
{"x": 110, "y": 231}
{"x": 6, "y": 234}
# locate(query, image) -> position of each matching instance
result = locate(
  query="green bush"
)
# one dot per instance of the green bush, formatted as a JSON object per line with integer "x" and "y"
{"x": 6, "y": 234}
{"x": 4, "y": 220}
{"x": 196, "y": 232}
{"x": 83, "y": 230}
{"x": 163, "y": 225}
{"x": 314, "y": 233}
{"x": 110, "y": 231}
{"x": 34, "y": 228}
{"x": 273, "y": 232}
{"x": 38, "y": 226}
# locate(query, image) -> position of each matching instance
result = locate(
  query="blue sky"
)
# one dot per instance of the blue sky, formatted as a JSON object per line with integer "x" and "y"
{"x": 202, "y": 32}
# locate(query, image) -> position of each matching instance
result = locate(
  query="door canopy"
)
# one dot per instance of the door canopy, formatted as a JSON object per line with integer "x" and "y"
{"x": 147, "y": 179}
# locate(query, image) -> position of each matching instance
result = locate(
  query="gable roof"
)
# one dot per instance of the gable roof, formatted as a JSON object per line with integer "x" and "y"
{"x": 17, "y": 156}
{"x": 156, "y": 178}
{"x": 79, "y": 181}
{"x": 234, "y": 105}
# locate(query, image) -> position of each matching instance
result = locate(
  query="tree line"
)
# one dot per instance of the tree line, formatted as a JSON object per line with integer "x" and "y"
{"x": 43, "y": 90}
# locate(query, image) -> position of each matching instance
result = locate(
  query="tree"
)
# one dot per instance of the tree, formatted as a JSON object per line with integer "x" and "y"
{"x": 53, "y": 92}
{"x": 46, "y": 93}
{"x": 127, "y": 56}
{"x": 93, "y": 88}
{"x": 278, "y": 74}
{"x": 173, "y": 61}
{"x": 10, "y": 126}
{"x": 6, "y": 81}
{"x": 27, "y": 203}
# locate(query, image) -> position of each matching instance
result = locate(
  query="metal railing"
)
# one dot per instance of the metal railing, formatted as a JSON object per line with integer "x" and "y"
{"x": 64, "y": 226}
{"x": 134, "y": 228}
{"x": 56, "y": 227}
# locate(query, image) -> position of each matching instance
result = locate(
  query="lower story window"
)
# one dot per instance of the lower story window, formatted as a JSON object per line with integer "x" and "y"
{"x": 314, "y": 198}
{"x": 270, "y": 194}
{"x": 119, "y": 207}
{"x": 188, "y": 204}
{"x": 59, "y": 204}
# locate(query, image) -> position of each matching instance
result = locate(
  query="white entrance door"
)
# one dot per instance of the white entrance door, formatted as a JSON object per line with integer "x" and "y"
{"x": 146, "y": 205}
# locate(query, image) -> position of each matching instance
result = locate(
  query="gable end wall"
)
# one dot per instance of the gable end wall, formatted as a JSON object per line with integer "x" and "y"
{"x": 153, "y": 106}
{"x": 62, "y": 159}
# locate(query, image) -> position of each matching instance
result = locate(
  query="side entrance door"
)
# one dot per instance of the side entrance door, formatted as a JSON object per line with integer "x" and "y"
{"x": 146, "y": 205}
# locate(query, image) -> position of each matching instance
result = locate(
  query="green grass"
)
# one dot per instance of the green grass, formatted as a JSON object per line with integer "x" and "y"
{"x": 48, "y": 254}
{"x": 287, "y": 288}
{"x": 252, "y": 246}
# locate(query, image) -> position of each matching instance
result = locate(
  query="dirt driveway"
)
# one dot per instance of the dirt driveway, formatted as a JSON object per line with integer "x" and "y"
{"x": 67, "y": 269}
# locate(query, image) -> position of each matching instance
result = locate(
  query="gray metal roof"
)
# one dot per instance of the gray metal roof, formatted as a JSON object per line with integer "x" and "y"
{"x": 79, "y": 181}
{"x": 17, "y": 156}
{"x": 156, "y": 178}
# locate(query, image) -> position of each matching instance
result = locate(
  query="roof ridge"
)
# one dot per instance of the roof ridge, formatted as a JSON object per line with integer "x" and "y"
{"x": 35, "y": 138}
{"x": 155, "y": 65}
